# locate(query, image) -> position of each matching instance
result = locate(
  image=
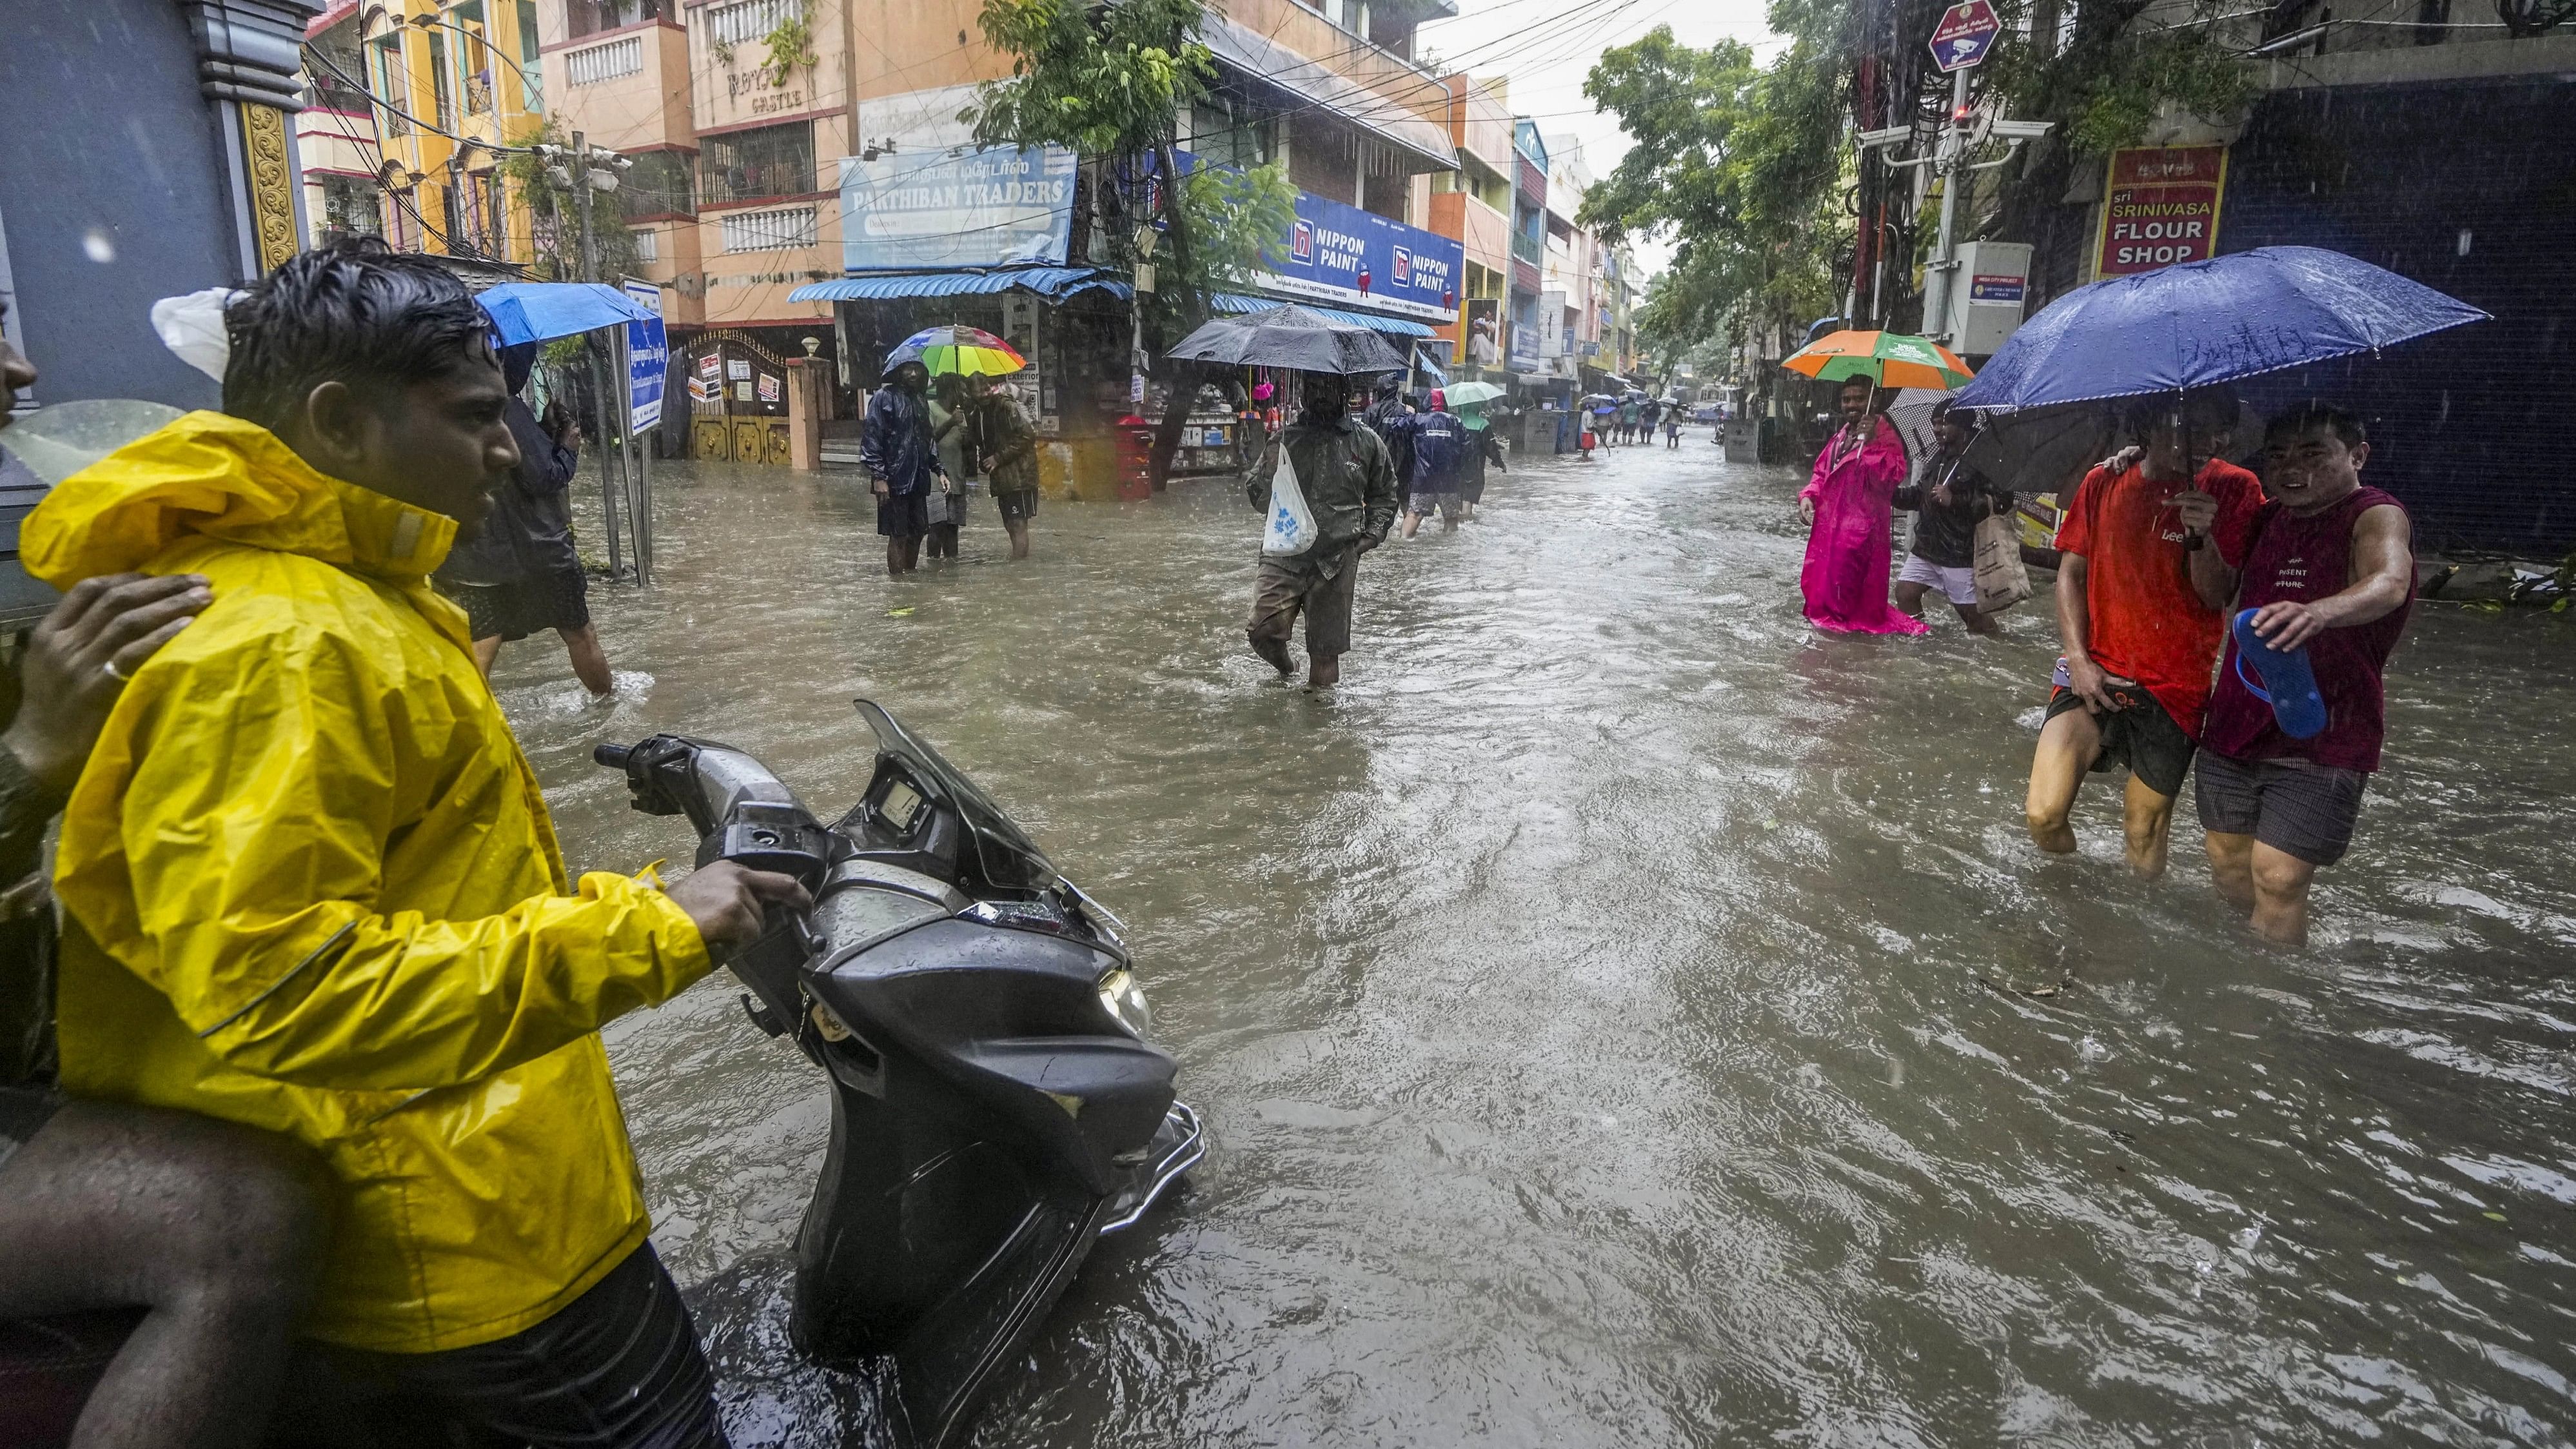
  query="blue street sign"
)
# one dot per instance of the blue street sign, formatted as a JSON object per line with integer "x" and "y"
{"x": 648, "y": 358}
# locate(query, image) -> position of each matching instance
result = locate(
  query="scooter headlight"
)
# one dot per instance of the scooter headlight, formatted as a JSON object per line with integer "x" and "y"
{"x": 1124, "y": 1000}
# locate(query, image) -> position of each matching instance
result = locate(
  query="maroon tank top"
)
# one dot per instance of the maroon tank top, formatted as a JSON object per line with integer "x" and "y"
{"x": 2308, "y": 559}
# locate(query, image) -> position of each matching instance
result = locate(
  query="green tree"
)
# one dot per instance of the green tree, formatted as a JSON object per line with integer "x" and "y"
{"x": 1750, "y": 166}
{"x": 1109, "y": 81}
{"x": 553, "y": 207}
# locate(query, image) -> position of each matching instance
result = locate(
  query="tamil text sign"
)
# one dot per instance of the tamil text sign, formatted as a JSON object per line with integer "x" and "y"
{"x": 1002, "y": 206}
{"x": 2160, "y": 206}
{"x": 1966, "y": 32}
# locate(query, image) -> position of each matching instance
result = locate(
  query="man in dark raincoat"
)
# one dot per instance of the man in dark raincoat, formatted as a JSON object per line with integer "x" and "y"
{"x": 1349, "y": 484}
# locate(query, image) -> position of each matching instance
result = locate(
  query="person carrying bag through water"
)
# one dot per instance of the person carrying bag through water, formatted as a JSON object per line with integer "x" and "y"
{"x": 1328, "y": 488}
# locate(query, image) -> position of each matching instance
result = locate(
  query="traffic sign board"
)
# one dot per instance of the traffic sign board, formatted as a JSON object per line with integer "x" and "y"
{"x": 1966, "y": 32}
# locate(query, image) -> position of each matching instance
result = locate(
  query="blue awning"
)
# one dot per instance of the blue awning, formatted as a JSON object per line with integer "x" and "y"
{"x": 1052, "y": 283}
{"x": 1391, "y": 326}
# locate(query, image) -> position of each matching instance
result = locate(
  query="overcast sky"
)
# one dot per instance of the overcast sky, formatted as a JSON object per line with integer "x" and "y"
{"x": 1547, "y": 47}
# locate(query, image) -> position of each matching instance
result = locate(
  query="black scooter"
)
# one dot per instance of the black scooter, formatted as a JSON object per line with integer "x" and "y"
{"x": 996, "y": 1105}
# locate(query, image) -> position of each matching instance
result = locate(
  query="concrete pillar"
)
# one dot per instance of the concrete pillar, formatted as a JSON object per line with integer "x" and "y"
{"x": 804, "y": 415}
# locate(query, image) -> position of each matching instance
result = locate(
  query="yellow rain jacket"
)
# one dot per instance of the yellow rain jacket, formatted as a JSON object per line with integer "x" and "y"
{"x": 313, "y": 888}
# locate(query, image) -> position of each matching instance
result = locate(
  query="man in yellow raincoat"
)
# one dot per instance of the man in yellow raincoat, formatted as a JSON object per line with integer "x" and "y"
{"x": 312, "y": 887}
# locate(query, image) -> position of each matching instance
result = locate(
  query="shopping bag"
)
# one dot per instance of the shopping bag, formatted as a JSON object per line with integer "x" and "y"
{"x": 1292, "y": 528}
{"x": 2001, "y": 580}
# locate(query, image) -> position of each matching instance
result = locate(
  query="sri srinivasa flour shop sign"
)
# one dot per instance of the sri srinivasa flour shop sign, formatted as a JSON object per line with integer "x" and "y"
{"x": 2160, "y": 206}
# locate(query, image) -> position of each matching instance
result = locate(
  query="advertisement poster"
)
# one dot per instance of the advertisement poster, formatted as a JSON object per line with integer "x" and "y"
{"x": 2160, "y": 206}
{"x": 912, "y": 211}
{"x": 1341, "y": 254}
{"x": 737, "y": 369}
{"x": 648, "y": 358}
{"x": 769, "y": 387}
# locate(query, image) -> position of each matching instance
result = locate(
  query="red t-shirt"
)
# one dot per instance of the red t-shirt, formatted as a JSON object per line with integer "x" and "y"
{"x": 2147, "y": 624}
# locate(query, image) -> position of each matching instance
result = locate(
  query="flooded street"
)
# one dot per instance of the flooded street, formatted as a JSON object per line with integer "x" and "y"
{"x": 1624, "y": 1017}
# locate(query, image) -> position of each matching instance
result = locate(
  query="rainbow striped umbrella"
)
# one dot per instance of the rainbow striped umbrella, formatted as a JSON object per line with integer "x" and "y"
{"x": 965, "y": 351}
{"x": 1889, "y": 359}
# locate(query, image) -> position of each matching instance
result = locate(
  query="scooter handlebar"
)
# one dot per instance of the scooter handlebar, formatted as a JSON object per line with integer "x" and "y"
{"x": 612, "y": 756}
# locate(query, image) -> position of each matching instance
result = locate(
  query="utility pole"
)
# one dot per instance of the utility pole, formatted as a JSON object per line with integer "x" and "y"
{"x": 1966, "y": 32}
{"x": 1945, "y": 256}
{"x": 581, "y": 203}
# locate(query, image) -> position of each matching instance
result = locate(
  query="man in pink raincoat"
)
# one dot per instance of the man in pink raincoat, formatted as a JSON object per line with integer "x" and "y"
{"x": 1849, "y": 505}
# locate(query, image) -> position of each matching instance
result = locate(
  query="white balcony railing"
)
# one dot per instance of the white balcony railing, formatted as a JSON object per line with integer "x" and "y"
{"x": 604, "y": 62}
{"x": 780, "y": 229}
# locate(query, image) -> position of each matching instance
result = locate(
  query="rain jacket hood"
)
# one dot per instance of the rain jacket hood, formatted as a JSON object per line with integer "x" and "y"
{"x": 311, "y": 886}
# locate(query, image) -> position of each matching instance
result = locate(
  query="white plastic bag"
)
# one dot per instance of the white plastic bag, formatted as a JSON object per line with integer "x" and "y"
{"x": 193, "y": 327}
{"x": 1292, "y": 527}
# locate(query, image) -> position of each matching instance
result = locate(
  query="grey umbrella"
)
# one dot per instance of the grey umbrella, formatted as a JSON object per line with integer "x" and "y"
{"x": 1290, "y": 337}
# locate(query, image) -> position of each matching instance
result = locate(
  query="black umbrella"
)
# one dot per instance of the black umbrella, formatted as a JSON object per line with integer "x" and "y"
{"x": 1290, "y": 337}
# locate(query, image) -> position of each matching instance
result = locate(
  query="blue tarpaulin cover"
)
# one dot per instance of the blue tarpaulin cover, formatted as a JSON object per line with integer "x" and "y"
{"x": 537, "y": 311}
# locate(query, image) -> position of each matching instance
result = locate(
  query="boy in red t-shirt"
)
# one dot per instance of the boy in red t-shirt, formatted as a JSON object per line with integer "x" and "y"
{"x": 2139, "y": 643}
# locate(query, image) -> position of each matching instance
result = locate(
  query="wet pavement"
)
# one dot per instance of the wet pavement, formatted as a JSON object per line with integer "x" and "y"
{"x": 1626, "y": 1018}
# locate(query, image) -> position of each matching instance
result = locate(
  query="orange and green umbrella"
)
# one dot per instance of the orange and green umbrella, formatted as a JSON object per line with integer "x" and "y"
{"x": 965, "y": 351}
{"x": 1889, "y": 359}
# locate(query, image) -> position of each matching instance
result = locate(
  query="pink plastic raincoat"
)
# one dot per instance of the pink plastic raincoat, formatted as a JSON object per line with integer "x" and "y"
{"x": 1854, "y": 489}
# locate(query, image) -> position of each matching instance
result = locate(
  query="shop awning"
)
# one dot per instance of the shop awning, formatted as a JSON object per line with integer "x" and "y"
{"x": 1391, "y": 326}
{"x": 1052, "y": 283}
{"x": 1387, "y": 117}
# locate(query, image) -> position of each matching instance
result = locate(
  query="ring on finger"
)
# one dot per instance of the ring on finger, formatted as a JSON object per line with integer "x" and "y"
{"x": 119, "y": 675}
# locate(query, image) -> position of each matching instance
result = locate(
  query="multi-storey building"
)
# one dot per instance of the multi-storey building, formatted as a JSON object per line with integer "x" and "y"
{"x": 1521, "y": 341}
{"x": 1472, "y": 205}
{"x": 412, "y": 103}
{"x": 797, "y": 176}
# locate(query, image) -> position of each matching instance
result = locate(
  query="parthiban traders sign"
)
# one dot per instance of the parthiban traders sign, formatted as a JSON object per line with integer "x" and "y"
{"x": 2160, "y": 206}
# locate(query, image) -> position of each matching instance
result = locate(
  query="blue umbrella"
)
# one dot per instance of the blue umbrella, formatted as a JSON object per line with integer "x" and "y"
{"x": 536, "y": 311}
{"x": 2202, "y": 323}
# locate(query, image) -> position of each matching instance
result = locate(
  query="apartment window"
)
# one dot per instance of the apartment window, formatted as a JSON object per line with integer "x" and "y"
{"x": 589, "y": 17}
{"x": 442, "y": 94}
{"x": 532, "y": 95}
{"x": 747, "y": 22}
{"x": 604, "y": 62}
{"x": 658, "y": 184}
{"x": 648, "y": 244}
{"x": 393, "y": 83}
{"x": 474, "y": 60}
{"x": 350, "y": 206}
{"x": 1217, "y": 134}
{"x": 338, "y": 74}
{"x": 765, "y": 161}
{"x": 782, "y": 229}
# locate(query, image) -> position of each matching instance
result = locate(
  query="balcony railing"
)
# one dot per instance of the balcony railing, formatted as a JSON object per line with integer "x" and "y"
{"x": 605, "y": 62}
{"x": 1526, "y": 248}
{"x": 786, "y": 228}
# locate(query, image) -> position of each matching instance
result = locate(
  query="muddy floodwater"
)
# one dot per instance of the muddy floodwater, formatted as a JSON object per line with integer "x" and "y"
{"x": 1624, "y": 1017}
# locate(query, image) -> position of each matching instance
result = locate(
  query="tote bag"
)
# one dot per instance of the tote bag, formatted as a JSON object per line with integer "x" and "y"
{"x": 2001, "y": 580}
{"x": 1291, "y": 529}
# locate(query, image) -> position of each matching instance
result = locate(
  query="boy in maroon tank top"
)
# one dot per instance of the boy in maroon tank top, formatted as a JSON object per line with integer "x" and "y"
{"x": 2329, "y": 566}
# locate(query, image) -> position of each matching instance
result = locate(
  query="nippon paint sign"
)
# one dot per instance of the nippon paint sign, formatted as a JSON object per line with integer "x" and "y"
{"x": 1341, "y": 255}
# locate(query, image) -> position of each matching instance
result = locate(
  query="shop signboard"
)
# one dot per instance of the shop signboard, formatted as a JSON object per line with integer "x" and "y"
{"x": 1343, "y": 256}
{"x": 1000, "y": 206}
{"x": 2160, "y": 206}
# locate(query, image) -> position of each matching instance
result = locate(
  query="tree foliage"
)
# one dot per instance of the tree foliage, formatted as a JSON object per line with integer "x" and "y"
{"x": 1741, "y": 162}
{"x": 1749, "y": 166}
{"x": 553, "y": 209}
{"x": 1098, "y": 80}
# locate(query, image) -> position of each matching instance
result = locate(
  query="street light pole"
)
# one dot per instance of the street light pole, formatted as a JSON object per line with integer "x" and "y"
{"x": 1939, "y": 281}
